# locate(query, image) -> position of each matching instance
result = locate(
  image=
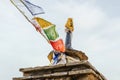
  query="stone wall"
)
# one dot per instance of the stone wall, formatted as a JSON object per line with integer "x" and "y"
{"x": 82, "y": 70}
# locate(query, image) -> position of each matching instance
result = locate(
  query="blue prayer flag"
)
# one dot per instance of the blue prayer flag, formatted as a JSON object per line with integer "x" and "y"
{"x": 34, "y": 9}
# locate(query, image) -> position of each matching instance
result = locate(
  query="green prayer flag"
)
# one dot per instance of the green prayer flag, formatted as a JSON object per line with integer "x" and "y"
{"x": 51, "y": 32}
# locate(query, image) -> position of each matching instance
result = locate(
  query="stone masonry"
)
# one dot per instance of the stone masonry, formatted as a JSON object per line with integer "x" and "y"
{"x": 81, "y": 70}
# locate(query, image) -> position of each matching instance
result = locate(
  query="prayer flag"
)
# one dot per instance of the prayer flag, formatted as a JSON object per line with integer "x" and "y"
{"x": 58, "y": 45}
{"x": 34, "y": 9}
{"x": 69, "y": 24}
{"x": 43, "y": 23}
{"x": 36, "y": 25}
{"x": 51, "y": 32}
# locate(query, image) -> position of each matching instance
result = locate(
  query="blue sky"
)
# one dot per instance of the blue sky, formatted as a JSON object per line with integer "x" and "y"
{"x": 97, "y": 30}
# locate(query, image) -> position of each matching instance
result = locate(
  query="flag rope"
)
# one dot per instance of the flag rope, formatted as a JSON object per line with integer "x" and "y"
{"x": 28, "y": 19}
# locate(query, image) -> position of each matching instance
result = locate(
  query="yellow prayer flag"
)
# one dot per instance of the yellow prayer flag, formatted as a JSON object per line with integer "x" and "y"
{"x": 69, "y": 24}
{"x": 43, "y": 23}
